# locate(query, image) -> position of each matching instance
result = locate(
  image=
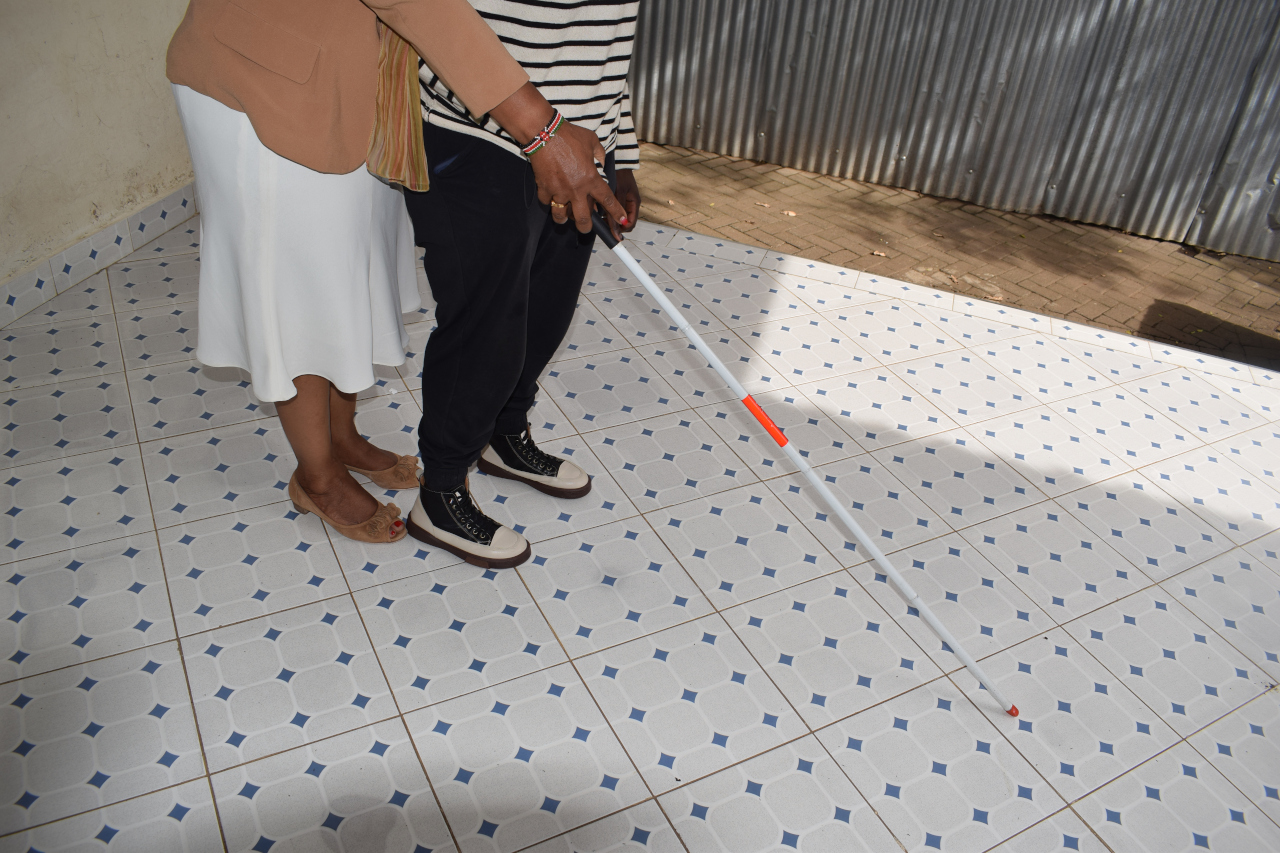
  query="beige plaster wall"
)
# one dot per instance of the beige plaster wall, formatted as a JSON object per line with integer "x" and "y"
{"x": 88, "y": 130}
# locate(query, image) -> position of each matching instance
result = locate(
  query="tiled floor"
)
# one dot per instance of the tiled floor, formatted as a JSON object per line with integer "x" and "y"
{"x": 694, "y": 658}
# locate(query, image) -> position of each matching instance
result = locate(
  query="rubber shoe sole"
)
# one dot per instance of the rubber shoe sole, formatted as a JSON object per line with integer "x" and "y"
{"x": 493, "y": 470}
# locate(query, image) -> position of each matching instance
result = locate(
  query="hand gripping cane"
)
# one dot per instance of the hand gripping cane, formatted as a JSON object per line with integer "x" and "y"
{"x": 877, "y": 556}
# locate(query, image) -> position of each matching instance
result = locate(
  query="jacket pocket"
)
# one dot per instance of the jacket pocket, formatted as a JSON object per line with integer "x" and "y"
{"x": 266, "y": 44}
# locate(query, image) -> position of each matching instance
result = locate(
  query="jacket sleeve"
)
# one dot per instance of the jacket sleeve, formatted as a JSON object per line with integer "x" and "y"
{"x": 454, "y": 40}
{"x": 626, "y": 152}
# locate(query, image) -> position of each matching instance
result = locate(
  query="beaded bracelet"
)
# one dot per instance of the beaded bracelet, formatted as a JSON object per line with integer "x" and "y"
{"x": 544, "y": 136}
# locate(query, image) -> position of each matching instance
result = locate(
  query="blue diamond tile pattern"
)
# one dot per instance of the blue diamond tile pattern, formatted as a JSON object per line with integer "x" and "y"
{"x": 696, "y": 655}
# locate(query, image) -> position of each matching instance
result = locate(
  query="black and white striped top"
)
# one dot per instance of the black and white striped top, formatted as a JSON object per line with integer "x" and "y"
{"x": 577, "y": 52}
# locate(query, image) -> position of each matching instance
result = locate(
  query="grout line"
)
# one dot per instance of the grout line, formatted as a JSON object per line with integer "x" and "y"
{"x": 395, "y": 700}
{"x": 808, "y": 728}
{"x": 1223, "y": 773}
{"x": 650, "y": 799}
{"x": 995, "y": 848}
{"x": 178, "y": 640}
{"x": 168, "y": 592}
{"x": 596, "y": 702}
{"x": 132, "y": 798}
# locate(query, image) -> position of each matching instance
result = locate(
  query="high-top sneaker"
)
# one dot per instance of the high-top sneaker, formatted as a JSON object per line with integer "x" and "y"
{"x": 452, "y": 521}
{"x": 516, "y": 457}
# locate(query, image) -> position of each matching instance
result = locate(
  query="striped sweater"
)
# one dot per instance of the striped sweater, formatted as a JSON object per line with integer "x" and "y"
{"x": 577, "y": 52}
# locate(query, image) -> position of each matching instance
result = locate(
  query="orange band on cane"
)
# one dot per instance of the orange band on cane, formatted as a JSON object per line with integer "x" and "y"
{"x": 765, "y": 420}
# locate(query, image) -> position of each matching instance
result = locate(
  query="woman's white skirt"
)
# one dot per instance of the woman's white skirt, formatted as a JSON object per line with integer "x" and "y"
{"x": 301, "y": 272}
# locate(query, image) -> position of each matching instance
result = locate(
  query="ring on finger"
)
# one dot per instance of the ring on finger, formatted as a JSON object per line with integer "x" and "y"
{"x": 555, "y": 203}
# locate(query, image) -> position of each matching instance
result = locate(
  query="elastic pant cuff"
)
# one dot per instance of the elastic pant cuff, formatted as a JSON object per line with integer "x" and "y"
{"x": 511, "y": 423}
{"x": 443, "y": 480}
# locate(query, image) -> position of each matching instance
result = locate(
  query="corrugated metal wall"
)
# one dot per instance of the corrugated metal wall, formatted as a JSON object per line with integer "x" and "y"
{"x": 1160, "y": 117}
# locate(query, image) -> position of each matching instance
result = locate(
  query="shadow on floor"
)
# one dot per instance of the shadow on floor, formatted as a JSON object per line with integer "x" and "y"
{"x": 1191, "y": 329}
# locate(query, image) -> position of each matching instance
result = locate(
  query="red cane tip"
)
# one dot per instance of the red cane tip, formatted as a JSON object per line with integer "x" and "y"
{"x": 1013, "y": 711}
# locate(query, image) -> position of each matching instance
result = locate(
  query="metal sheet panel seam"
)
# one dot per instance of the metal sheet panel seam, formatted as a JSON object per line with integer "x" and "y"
{"x": 1115, "y": 112}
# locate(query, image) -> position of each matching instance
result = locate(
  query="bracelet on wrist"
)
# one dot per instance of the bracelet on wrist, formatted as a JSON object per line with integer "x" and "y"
{"x": 544, "y": 136}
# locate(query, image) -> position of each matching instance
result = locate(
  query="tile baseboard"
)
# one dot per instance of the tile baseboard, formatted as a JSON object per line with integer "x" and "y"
{"x": 31, "y": 288}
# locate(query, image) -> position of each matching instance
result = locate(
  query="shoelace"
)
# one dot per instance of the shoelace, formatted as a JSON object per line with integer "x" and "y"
{"x": 464, "y": 512}
{"x": 532, "y": 455}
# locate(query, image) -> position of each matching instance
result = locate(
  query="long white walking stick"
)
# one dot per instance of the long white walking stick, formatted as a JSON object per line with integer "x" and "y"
{"x": 912, "y": 597}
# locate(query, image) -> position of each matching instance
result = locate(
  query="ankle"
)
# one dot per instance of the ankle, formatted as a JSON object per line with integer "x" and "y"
{"x": 359, "y": 452}
{"x": 346, "y": 445}
{"x": 320, "y": 479}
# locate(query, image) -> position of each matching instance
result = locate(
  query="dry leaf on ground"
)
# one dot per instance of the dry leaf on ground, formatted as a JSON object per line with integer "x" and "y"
{"x": 788, "y": 213}
{"x": 881, "y": 254}
{"x": 761, "y": 204}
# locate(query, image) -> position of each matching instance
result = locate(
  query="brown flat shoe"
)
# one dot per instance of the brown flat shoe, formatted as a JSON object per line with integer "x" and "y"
{"x": 383, "y": 526}
{"x": 402, "y": 475}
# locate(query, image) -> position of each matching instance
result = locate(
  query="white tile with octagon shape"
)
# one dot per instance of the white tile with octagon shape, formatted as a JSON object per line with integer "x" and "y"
{"x": 688, "y": 701}
{"x": 342, "y": 793}
{"x": 1124, "y": 424}
{"x": 808, "y": 349}
{"x": 83, "y": 604}
{"x": 1053, "y": 453}
{"x": 1221, "y": 492}
{"x": 1059, "y": 563}
{"x": 179, "y": 819}
{"x": 1175, "y": 663}
{"x": 964, "y": 386}
{"x": 1077, "y": 723}
{"x": 1239, "y": 597}
{"x": 454, "y": 631}
{"x": 1177, "y": 801}
{"x": 791, "y": 797}
{"x": 938, "y": 772}
{"x": 1043, "y": 368}
{"x": 610, "y": 585}
{"x": 668, "y": 460}
{"x": 524, "y": 761}
{"x": 1243, "y": 747}
{"x": 830, "y": 648}
{"x": 1145, "y": 524}
{"x": 958, "y": 477}
{"x": 281, "y": 681}
{"x": 65, "y": 419}
{"x": 877, "y": 408}
{"x": 742, "y": 544}
{"x": 815, "y": 434}
{"x": 983, "y": 609}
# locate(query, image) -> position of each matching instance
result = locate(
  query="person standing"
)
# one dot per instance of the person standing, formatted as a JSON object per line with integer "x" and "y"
{"x": 506, "y": 275}
{"x": 307, "y": 258}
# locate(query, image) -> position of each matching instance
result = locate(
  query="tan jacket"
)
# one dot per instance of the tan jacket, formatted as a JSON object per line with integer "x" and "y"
{"x": 306, "y": 71}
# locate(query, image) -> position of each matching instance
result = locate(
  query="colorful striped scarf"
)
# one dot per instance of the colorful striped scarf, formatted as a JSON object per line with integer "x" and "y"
{"x": 395, "y": 144}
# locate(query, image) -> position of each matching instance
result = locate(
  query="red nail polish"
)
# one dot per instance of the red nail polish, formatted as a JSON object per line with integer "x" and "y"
{"x": 623, "y": 220}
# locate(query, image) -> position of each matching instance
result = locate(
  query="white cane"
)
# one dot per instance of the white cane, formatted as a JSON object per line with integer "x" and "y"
{"x": 877, "y": 556}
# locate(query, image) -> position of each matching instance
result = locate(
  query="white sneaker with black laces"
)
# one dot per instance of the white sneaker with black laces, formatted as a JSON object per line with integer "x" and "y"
{"x": 516, "y": 457}
{"x": 452, "y": 521}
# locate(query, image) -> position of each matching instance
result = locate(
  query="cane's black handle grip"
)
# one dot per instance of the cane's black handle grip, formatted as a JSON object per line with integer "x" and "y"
{"x": 601, "y": 226}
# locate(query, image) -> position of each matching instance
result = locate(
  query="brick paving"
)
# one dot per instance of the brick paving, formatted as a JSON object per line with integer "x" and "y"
{"x": 1224, "y": 305}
